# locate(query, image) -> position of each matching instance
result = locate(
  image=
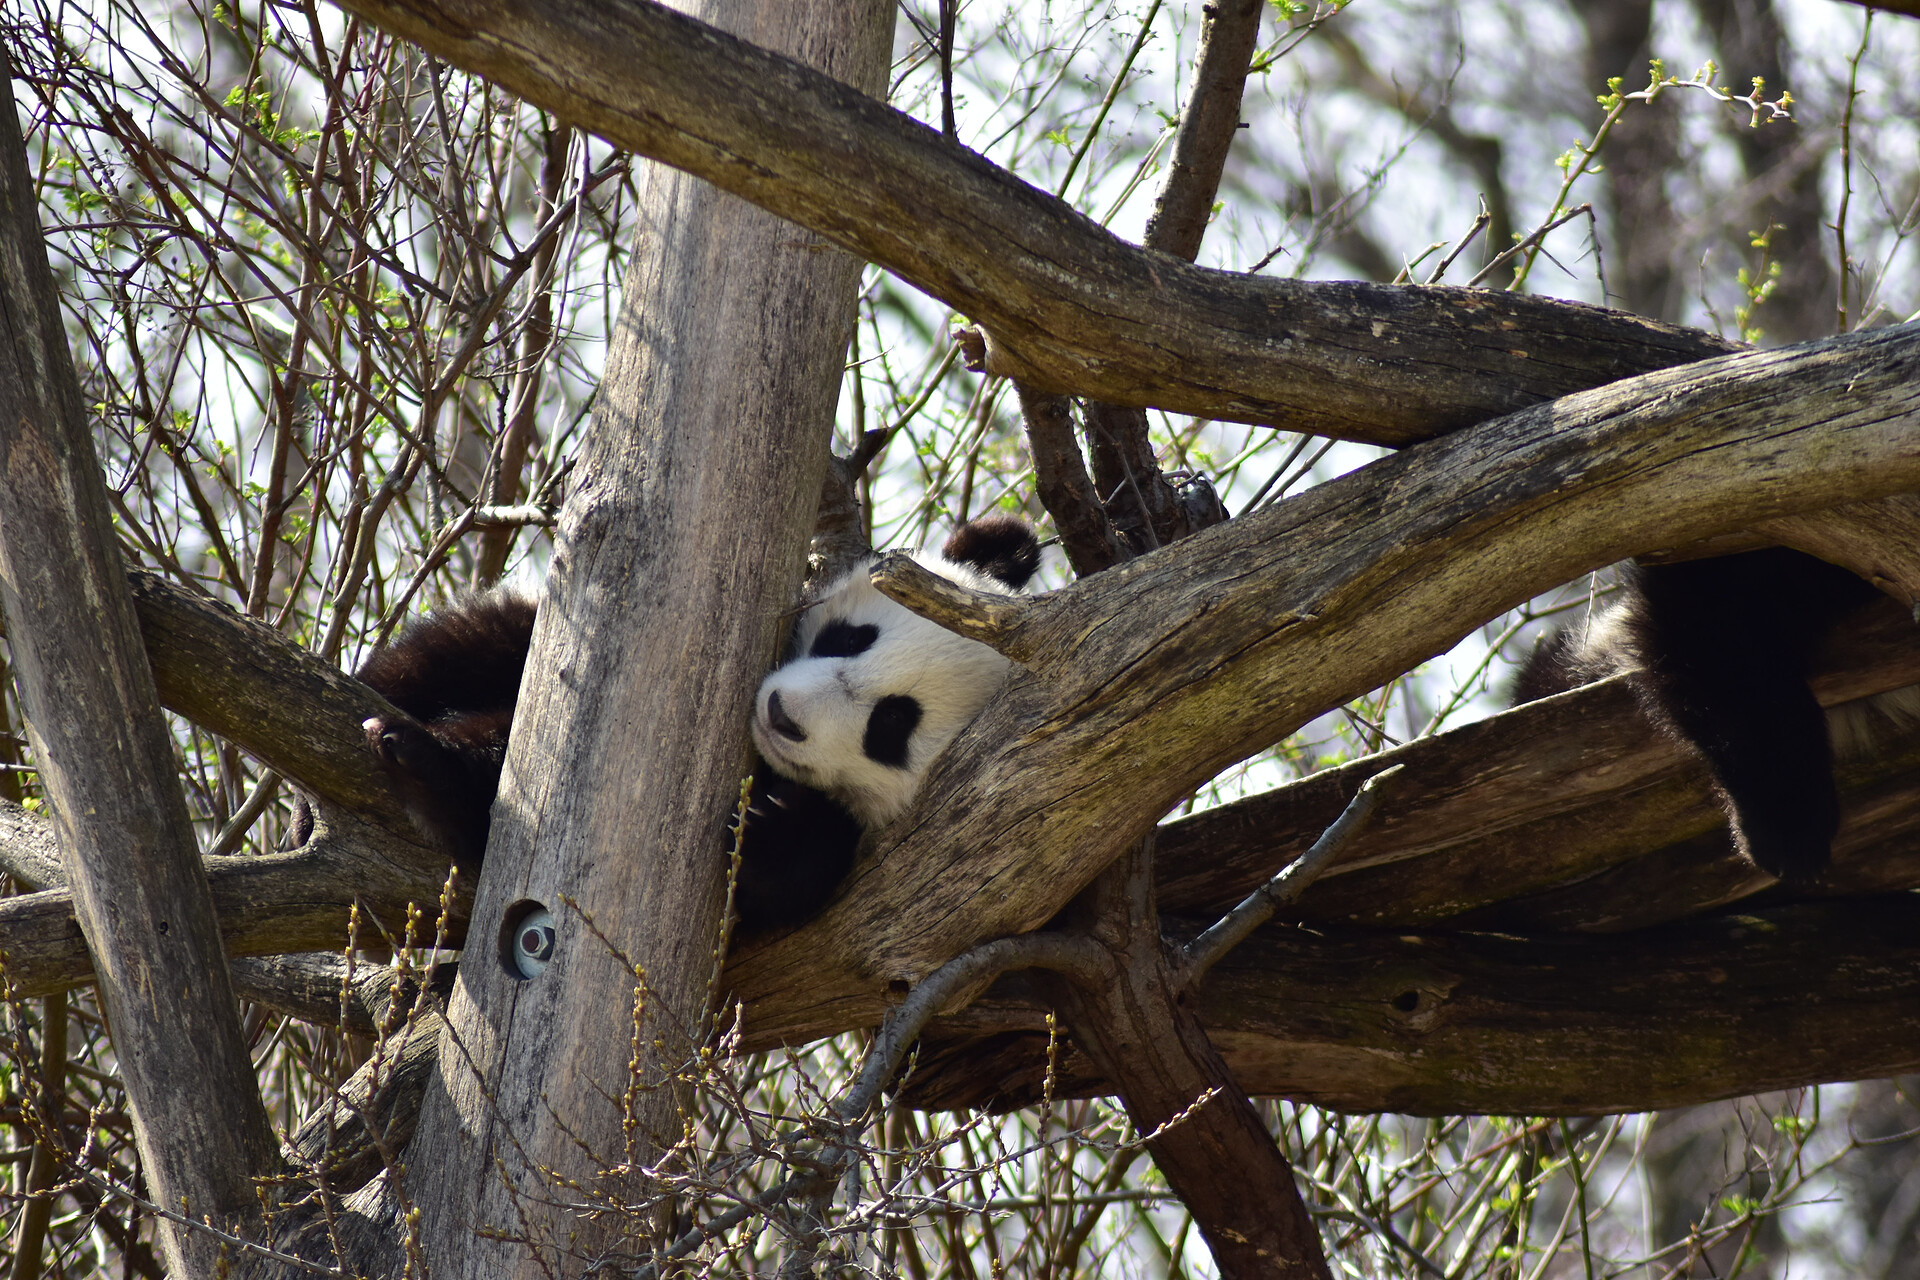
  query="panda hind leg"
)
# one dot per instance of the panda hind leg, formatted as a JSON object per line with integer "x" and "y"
{"x": 1726, "y": 645}
{"x": 797, "y": 846}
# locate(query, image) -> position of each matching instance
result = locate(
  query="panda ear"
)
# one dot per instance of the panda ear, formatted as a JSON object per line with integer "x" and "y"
{"x": 999, "y": 546}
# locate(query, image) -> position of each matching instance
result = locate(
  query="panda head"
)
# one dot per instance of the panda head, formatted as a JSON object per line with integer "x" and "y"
{"x": 873, "y": 692}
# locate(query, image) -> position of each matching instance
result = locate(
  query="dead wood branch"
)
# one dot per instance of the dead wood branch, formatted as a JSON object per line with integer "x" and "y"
{"x": 1070, "y": 308}
{"x": 270, "y": 904}
{"x": 1289, "y": 882}
{"x": 1450, "y": 1023}
{"x": 1214, "y": 1149}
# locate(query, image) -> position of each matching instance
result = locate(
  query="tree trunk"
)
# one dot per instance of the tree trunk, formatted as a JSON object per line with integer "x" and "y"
{"x": 679, "y": 551}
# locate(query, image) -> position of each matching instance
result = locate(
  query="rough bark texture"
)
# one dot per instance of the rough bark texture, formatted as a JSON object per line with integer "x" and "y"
{"x": 1880, "y": 541}
{"x": 1263, "y": 623}
{"x": 106, "y": 762}
{"x": 1070, "y": 307}
{"x": 679, "y": 549}
{"x": 243, "y": 680}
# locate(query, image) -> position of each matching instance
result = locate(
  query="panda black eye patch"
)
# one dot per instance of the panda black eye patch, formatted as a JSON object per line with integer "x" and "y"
{"x": 843, "y": 640}
{"x": 889, "y": 727}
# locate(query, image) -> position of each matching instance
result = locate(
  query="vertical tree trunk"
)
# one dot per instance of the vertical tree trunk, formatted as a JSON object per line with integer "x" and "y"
{"x": 679, "y": 549}
{"x": 107, "y": 765}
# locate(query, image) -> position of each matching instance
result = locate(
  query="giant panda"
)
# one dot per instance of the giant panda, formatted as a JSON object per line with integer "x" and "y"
{"x": 1718, "y": 651}
{"x": 868, "y": 695}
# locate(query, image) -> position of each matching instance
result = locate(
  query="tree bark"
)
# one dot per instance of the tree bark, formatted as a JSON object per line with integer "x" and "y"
{"x": 679, "y": 550}
{"x": 1071, "y": 308}
{"x": 106, "y": 763}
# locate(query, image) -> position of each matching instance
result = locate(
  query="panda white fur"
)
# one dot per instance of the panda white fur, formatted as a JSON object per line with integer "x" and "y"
{"x": 874, "y": 692}
{"x": 850, "y": 722}
{"x": 1718, "y": 651}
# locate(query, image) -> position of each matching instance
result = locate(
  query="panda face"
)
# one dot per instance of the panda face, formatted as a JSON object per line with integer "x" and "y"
{"x": 873, "y": 694}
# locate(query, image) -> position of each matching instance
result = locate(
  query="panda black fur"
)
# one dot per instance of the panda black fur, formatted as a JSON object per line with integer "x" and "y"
{"x": 1719, "y": 652}
{"x": 870, "y": 694}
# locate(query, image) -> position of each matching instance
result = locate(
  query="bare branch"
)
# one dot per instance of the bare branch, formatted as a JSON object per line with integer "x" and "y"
{"x": 1289, "y": 882}
{"x": 1070, "y": 308}
{"x": 991, "y": 617}
{"x": 1060, "y": 475}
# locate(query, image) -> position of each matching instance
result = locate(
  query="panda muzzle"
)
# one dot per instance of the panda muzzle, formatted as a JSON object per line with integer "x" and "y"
{"x": 782, "y": 723}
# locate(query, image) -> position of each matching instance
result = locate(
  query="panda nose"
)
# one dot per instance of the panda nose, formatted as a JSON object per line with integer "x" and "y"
{"x": 782, "y": 722}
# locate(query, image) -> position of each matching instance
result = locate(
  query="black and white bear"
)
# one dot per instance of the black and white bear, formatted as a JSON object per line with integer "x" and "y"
{"x": 869, "y": 696}
{"x": 1719, "y": 651}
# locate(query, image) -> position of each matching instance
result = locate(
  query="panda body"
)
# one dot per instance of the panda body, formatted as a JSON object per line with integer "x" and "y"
{"x": 879, "y": 690}
{"x": 1718, "y": 652}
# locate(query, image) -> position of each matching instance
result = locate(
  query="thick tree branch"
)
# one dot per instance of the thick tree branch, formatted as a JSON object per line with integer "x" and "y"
{"x": 1214, "y": 1149}
{"x": 269, "y": 904}
{"x": 237, "y": 677}
{"x": 629, "y": 734}
{"x": 1452, "y": 1023}
{"x": 106, "y": 763}
{"x": 1511, "y": 823}
{"x": 1070, "y": 307}
{"x": 1258, "y": 625}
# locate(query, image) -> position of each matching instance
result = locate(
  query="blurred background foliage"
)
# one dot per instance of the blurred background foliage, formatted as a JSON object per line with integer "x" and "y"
{"x": 339, "y": 311}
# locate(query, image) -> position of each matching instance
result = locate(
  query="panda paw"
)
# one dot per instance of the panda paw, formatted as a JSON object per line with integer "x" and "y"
{"x": 796, "y": 846}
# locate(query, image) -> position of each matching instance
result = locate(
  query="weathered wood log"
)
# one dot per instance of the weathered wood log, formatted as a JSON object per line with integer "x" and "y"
{"x": 1071, "y": 308}
{"x": 106, "y": 763}
{"x": 680, "y": 547}
{"x": 1441, "y": 1024}
{"x": 1261, "y": 624}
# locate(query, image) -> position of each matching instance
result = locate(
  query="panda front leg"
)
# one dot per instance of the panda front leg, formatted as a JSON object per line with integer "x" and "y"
{"x": 796, "y": 846}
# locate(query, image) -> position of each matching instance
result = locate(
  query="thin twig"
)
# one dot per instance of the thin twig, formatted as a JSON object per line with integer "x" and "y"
{"x": 1289, "y": 883}
{"x": 1539, "y": 234}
